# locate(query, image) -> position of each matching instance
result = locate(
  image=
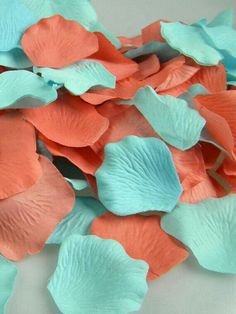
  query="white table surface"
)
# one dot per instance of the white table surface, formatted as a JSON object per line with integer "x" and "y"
{"x": 187, "y": 289}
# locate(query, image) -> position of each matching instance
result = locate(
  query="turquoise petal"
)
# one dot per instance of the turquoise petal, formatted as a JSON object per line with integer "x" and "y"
{"x": 15, "y": 19}
{"x": 80, "y": 77}
{"x": 15, "y": 58}
{"x": 85, "y": 210}
{"x": 225, "y": 17}
{"x": 24, "y": 89}
{"x": 232, "y": 83}
{"x": 190, "y": 40}
{"x": 138, "y": 175}
{"x": 230, "y": 65}
{"x": 78, "y": 184}
{"x": 96, "y": 276}
{"x": 81, "y": 11}
{"x": 162, "y": 50}
{"x": 194, "y": 90}
{"x": 170, "y": 117}
{"x": 208, "y": 228}
{"x": 7, "y": 279}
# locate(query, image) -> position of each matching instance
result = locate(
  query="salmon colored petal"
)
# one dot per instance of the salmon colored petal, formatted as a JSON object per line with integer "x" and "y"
{"x": 142, "y": 238}
{"x": 210, "y": 154}
{"x": 152, "y": 32}
{"x": 229, "y": 167}
{"x": 28, "y": 218}
{"x": 128, "y": 122}
{"x": 55, "y": 42}
{"x": 110, "y": 110}
{"x": 133, "y": 42}
{"x": 68, "y": 121}
{"x": 20, "y": 168}
{"x": 113, "y": 59}
{"x": 147, "y": 67}
{"x": 219, "y": 111}
{"x": 83, "y": 157}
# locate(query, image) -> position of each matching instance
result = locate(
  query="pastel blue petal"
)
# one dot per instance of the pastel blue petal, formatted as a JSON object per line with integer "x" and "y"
{"x": 7, "y": 279}
{"x": 138, "y": 175}
{"x": 15, "y": 58}
{"x": 78, "y": 184}
{"x": 81, "y": 11}
{"x": 208, "y": 228}
{"x": 232, "y": 83}
{"x": 24, "y": 89}
{"x": 190, "y": 40}
{"x": 80, "y": 77}
{"x": 162, "y": 50}
{"x": 194, "y": 90}
{"x": 230, "y": 65}
{"x": 96, "y": 276}
{"x": 85, "y": 210}
{"x": 15, "y": 18}
{"x": 172, "y": 118}
{"x": 225, "y": 17}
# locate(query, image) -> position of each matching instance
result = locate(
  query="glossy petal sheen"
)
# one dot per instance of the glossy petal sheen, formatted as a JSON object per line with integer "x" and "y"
{"x": 85, "y": 210}
{"x": 8, "y": 273}
{"x": 24, "y": 89}
{"x": 142, "y": 238}
{"x": 68, "y": 121}
{"x": 138, "y": 175}
{"x": 181, "y": 37}
{"x": 171, "y": 118}
{"x": 28, "y": 218}
{"x": 97, "y": 276}
{"x": 20, "y": 168}
{"x": 56, "y": 42}
{"x": 80, "y": 77}
{"x": 208, "y": 229}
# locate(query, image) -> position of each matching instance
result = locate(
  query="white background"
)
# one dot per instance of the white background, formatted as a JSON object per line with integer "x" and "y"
{"x": 187, "y": 289}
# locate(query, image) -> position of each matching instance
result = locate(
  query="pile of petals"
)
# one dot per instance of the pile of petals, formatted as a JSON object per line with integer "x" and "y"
{"x": 122, "y": 151}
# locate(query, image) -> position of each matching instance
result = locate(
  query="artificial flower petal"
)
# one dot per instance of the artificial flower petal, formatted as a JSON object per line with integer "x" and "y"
{"x": 225, "y": 17}
{"x": 20, "y": 168}
{"x": 99, "y": 277}
{"x": 68, "y": 121}
{"x": 8, "y": 273}
{"x": 24, "y": 89}
{"x": 14, "y": 58}
{"x": 28, "y": 218}
{"x": 46, "y": 46}
{"x": 134, "y": 168}
{"x": 78, "y": 184}
{"x": 171, "y": 118}
{"x": 15, "y": 19}
{"x": 208, "y": 229}
{"x": 78, "y": 78}
{"x": 85, "y": 210}
{"x": 180, "y": 37}
{"x": 142, "y": 238}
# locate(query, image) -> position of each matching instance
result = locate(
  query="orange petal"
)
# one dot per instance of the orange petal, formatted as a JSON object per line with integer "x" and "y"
{"x": 219, "y": 110}
{"x": 28, "y": 218}
{"x": 210, "y": 154}
{"x": 110, "y": 110}
{"x": 142, "y": 238}
{"x": 68, "y": 121}
{"x": 152, "y": 32}
{"x": 113, "y": 59}
{"x": 133, "y": 42}
{"x": 55, "y": 42}
{"x": 149, "y": 66}
{"x": 20, "y": 167}
{"x": 128, "y": 122}
{"x": 83, "y": 157}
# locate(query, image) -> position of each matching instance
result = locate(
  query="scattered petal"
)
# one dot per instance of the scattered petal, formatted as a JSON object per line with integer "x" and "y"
{"x": 78, "y": 184}
{"x": 85, "y": 210}
{"x": 56, "y": 42}
{"x": 208, "y": 229}
{"x": 14, "y": 58}
{"x": 99, "y": 277}
{"x": 142, "y": 238}
{"x": 133, "y": 169}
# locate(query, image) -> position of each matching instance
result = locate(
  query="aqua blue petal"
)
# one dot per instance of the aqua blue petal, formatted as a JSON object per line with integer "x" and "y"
{"x": 162, "y": 50}
{"x": 138, "y": 175}
{"x": 225, "y": 17}
{"x": 78, "y": 184}
{"x": 24, "y": 89}
{"x": 85, "y": 210}
{"x": 208, "y": 228}
{"x": 7, "y": 279}
{"x": 194, "y": 90}
{"x": 232, "y": 83}
{"x": 96, "y": 276}
{"x": 190, "y": 40}
{"x": 230, "y": 65}
{"x": 81, "y": 11}
{"x": 15, "y": 58}
{"x": 15, "y": 19}
{"x": 172, "y": 118}
{"x": 80, "y": 77}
